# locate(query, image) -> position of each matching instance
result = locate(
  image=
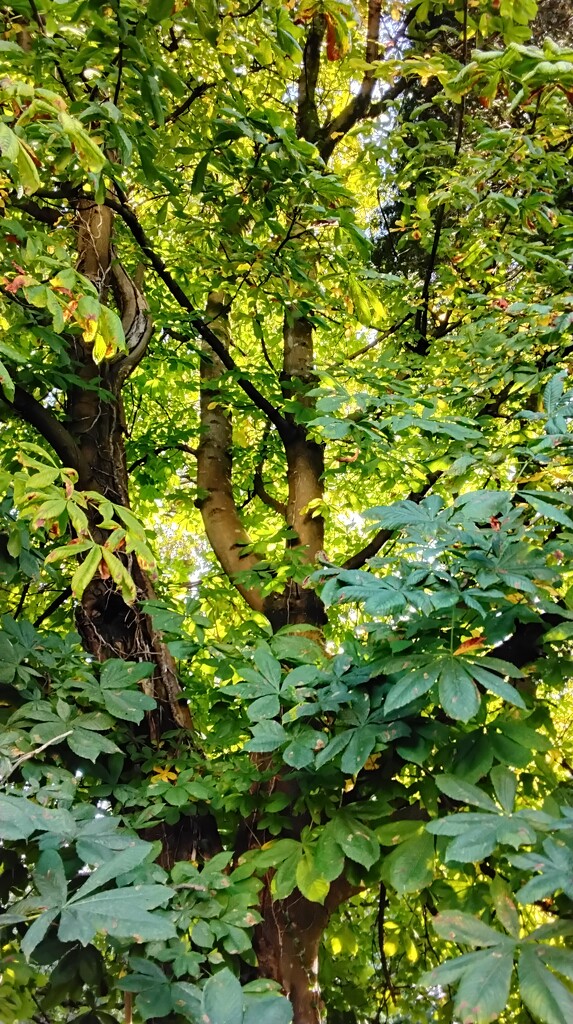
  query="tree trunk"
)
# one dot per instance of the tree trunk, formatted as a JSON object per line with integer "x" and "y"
{"x": 287, "y": 944}
{"x": 108, "y": 626}
{"x": 305, "y": 470}
{"x": 227, "y": 536}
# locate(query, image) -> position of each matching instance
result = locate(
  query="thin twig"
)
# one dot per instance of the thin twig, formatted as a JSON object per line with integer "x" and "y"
{"x": 422, "y": 345}
{"x": 117, "y": 89}
{"x": 32, "y": 753}
{"x": 21, "y": 602}
{"x": 158, "y": 451}
{"x": 383, "y": 336}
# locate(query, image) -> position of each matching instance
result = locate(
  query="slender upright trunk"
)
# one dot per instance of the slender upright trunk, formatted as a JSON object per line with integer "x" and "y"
{"x": 305, "y": 470}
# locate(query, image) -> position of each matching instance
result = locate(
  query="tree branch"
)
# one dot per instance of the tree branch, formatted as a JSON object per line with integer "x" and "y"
{"x": 198, "y": 324}
{"x": 359, "y": 105}
{"x": 43, "y": 214}
{"x": 360, "y": 558}
{"x": 163, "y": 448}
{"x": 422, "y": 344}
{"x": 135, "y": 318}
{"x": 355, "y": 111}
{"x": 307, "y": 113}
{"x": 195, "y": 94}
{"x": 262, "y": 493}
{"x": 382, "y": 336}
{"x": 53, "y": 606}
{"x": 54, "y": 432}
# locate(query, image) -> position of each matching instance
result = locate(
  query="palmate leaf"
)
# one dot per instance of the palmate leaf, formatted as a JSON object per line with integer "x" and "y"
{"x": 545, "y": 996}
{"x": 20, "y": 818}
{"x": 123, "y": 912}
{"x": 406, "y": 513}
{"x": 153, "y": 988}
{"x": 222, "y": 1001}
{"x": 484, "y": 983}
{"x": 102, "y": 838}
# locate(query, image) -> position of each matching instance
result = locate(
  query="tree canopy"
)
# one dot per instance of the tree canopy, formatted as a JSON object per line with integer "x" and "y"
{"x": 286, "y": 515}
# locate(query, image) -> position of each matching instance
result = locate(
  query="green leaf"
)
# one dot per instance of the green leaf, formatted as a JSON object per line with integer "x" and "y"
{"x": 110, "y": 327}
{"x": 86, "y": 571}
{"x": 559, "y": 959}
{"x": 198, "y": 179}
{"x": 564, "y": 631}
{"x": 484, "y": 988}
{"x": 458, "y": 693}
{"x": 152, "y": 987}
{"x": 505, "y": 785}
{"x": 267, "y": 736}
{"x": 123, "y": 913}
{"x": 222, "y": 1001}
{"x": 151, "y": 94}
{"x": 498, "y": 686}
{"x": 284, "y": 880}
{"x": 269, "y": 667}
{"x": 9, "y": 144}
{"x": 361, "y": 745}
{"x": 128, "y": 707}
{"x": 410, "y": 867}
{"x": 6, "y": 383}
{"x": 186, "y": 999}
{"x": 309, "y": 880}
{"x": 120, "y": 575}
{"x": 397, "y": 832}
{"x": 267, "y": 1009}
{"x": 17, "y": 818}
{"x": 328, "y": 855}
{"x": 465, "y": 792}
{"x": 90, "y": 744}
{"x": 122, "y": 862}
{"x": 549, "y": 511}
{"x": 89, "y": 154}
{"x": 546, "y": 998}
{"x": 470, "y": 931}
{"x": 27, "y": 172}
{"x": 37, "y": 931}
{"x": 505, "y": 908}
{"x": 451, "y": 971}
{"x": 158, "y": 10}
{"x": 264, "y": 707}
{"x": 50, "y": 878}
{"x": 410, "y": 687}
{"x": 357, "y": 841}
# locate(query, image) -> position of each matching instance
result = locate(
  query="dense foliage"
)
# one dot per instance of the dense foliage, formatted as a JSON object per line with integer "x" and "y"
{"x": 286, "y": 519}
